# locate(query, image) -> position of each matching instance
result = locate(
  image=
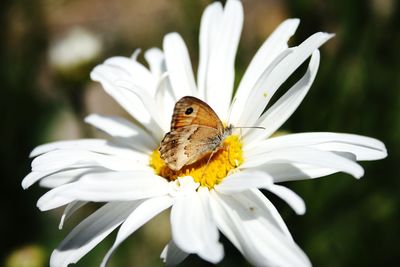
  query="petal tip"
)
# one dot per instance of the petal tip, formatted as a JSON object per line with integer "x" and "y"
{"x": 294, "y": 21}
{"x": 329, "y": 35}
{"x": 90, "y": 118}
{"x": 24, "y": 185}
{"x": 27, "y": 181}
{"x": 33, "y": 153}
{"x": 301, "y": 211}
{"x": 170, "y": 36}
{"x": 359, "y": 174}
{"x": 135, "y": 54}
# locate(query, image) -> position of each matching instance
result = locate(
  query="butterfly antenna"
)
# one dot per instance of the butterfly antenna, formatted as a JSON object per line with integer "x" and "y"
{"x": 249, "y": 127}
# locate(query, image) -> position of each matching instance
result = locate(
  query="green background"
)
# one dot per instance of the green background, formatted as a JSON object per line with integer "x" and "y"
{"x": 357, "y": 90}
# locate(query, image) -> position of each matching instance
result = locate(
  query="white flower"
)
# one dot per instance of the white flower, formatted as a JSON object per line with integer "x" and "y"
{"x": 77, "y": 48}
{"x": 127, "y": 173}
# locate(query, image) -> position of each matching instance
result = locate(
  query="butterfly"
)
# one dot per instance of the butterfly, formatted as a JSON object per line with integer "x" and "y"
{"x": 196, "y": 131}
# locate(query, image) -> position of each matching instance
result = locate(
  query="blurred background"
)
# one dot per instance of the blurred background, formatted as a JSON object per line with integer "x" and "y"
{"x": 48, "y": 48}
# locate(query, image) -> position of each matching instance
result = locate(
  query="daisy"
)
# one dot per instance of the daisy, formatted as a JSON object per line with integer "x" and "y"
{"x": 127, "y": 174}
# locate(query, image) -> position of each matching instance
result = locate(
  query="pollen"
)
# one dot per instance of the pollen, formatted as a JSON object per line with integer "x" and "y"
{"x": 222, "y": 162}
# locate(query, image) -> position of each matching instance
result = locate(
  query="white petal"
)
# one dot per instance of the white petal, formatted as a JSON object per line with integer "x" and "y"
{"x": 306, "y": 155}
{"x": 220, "y": 68}
{"x": 165, "y": 97}
{"x": 52, "y": 199}
{"x": 57, "y": 177}
{"x": 264, "y": 208}
{"x": 135, "y": 54}
{"x": 124, "y": 131}
{"x": 107, "y": 76}
{"x": 256, "y": 237}
{"x": 155, "y": 58}
{"x": 149, "y": 102}
{"x": 294, "y": 201}
{"x": 280, "y": 111}
{"x": 209, "y": 30}
{"x": 271, "y": 48}
{"x": 142, "y": 214}
{"x": 246, "y": 112}
{"x": 172, "y": 255}
{"x": 33, "y": 177}
{"x": 193, "y": 229}
{"x": 88, "y": 144}
{"x": 283, "y": 172}
{"x": 364, "y": 148}
{"x": 69, "y": 210}
{"x": 63, "y": 159}
{"x": 137, "y": 73}
{"x": 179, "y": 66}
{"x": 245, "y": 180}
{"x": 103, "y": 187}
{"x": 267, "y": 85}
{"x": 93, "y": 145}
{"x": 90, "y": 232}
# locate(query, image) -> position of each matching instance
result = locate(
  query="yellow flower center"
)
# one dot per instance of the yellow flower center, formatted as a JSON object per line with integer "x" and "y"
{"x": 224, "y": 161}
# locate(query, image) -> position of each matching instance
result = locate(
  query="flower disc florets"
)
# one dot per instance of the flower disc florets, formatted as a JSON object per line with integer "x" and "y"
{"x": 222, "y": 162}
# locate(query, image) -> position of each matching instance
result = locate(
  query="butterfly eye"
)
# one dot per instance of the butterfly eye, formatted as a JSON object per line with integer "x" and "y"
{"x": 189, "y": 111}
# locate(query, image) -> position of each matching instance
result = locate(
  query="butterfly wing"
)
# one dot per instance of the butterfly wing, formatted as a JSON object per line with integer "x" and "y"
{"x": 190, "y": 111}
{"x": 186, "y": 145}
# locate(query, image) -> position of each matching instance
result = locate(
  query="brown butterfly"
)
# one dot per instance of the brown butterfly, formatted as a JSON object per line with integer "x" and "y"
{"x": 196, "y": 131}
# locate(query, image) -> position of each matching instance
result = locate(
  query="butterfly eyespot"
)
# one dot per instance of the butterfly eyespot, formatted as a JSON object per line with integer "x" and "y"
{"x": 189, "y": 111}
